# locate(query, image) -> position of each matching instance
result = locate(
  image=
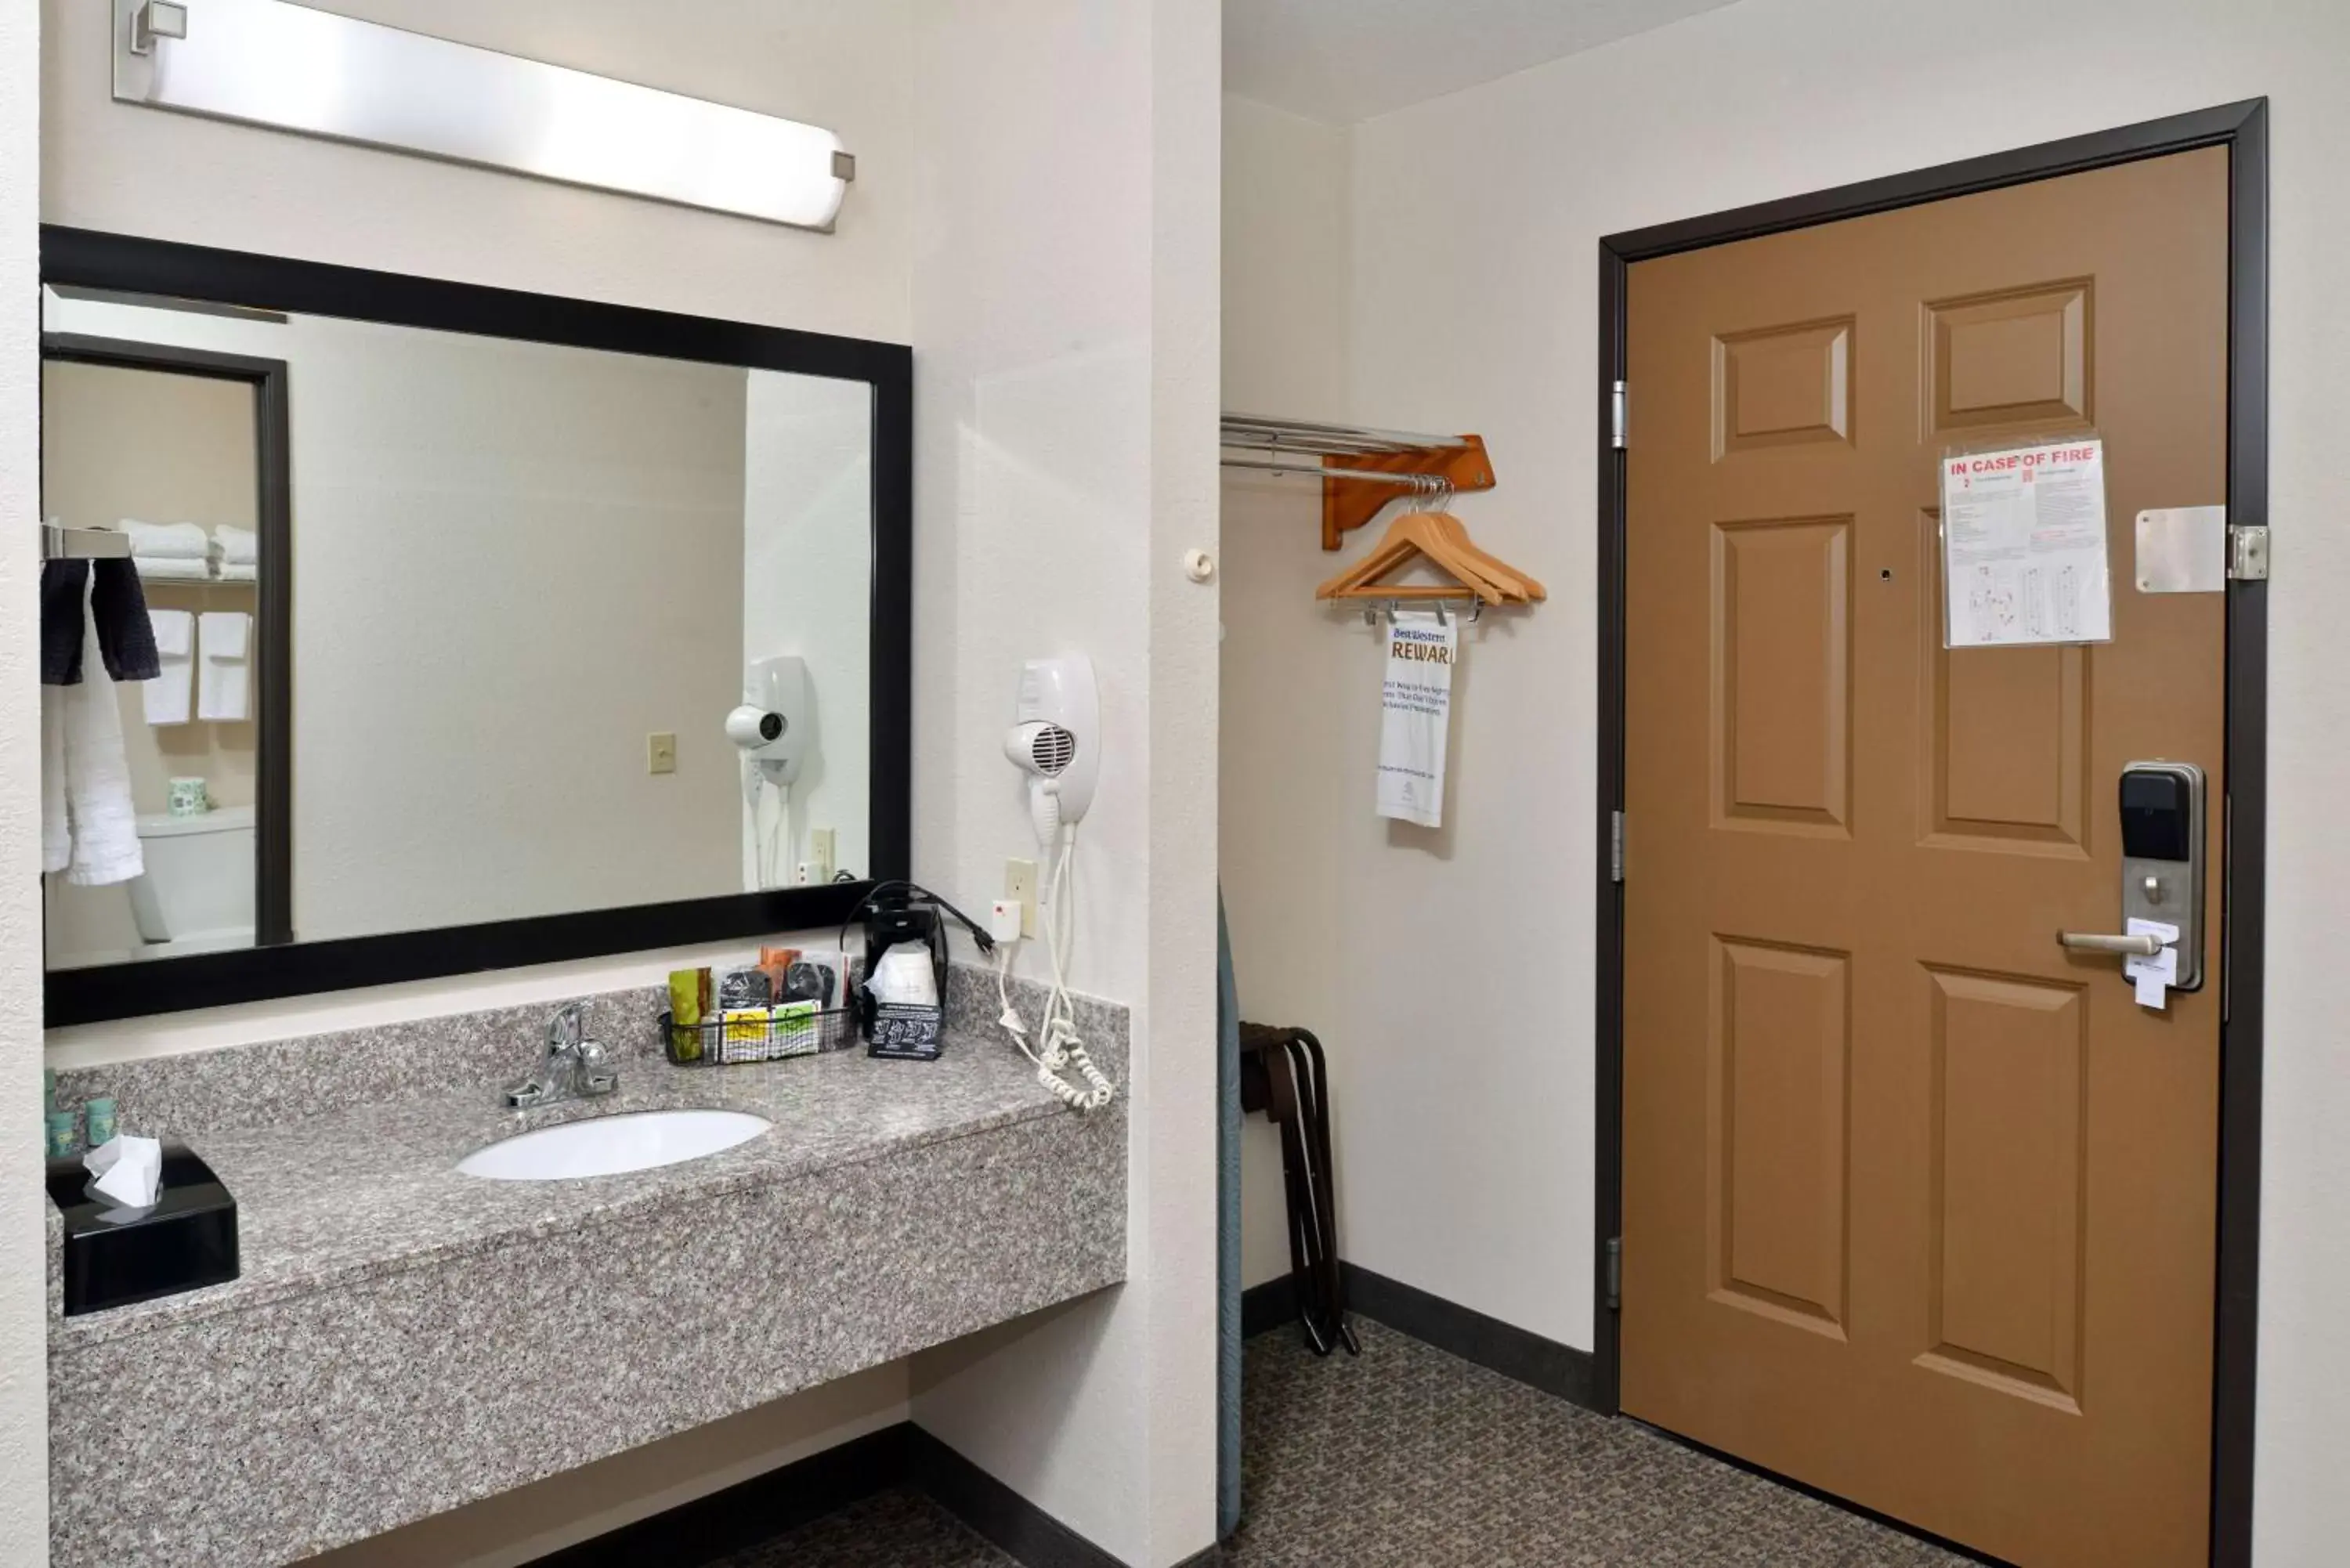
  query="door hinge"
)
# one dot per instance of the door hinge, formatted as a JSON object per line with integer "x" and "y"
{"x": 1619, "y": 404}
{"x": 1614, "y": 846}
{"x": 2247, "y": 554}
{"x": 1614, "y": 1273}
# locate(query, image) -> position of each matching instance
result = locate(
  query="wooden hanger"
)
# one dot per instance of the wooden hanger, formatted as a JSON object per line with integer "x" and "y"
{"x": 1443, "y": 541}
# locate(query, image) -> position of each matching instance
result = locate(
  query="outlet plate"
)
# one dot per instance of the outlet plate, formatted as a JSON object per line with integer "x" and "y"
{"x": 661, "y": 753}
{"x": 820, "y": 853}
{"x": 1020, "y": 888}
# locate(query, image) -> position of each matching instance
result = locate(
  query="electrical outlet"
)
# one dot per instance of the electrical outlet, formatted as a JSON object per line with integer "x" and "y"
{"x": 1020, "y": 888}
{"x": 661, "y": 753}
{"x": 1003, "y": 919}
{"x": 820, "y": 853}
{"x": 806, "y": 876}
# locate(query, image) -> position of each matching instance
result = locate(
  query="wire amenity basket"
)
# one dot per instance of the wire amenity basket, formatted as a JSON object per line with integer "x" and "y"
{"x": 800, "y": 1029}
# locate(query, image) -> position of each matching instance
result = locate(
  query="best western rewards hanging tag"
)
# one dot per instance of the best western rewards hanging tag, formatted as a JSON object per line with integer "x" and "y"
{"x": 1415, "y": 711}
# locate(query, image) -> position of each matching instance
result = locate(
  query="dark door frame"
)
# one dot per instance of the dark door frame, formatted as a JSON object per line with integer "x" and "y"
{"x": 2243, "y": 130}
{"x": 273, "y": 647}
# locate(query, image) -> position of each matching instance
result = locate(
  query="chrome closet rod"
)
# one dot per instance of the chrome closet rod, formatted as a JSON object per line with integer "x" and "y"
{"x": 1297, "y": 431}
{"x": 1326, "y": 446}
{"x": 1316, "y": 471}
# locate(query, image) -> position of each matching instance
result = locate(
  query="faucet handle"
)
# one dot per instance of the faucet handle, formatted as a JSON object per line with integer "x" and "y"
{"x": 568, "y": 1027}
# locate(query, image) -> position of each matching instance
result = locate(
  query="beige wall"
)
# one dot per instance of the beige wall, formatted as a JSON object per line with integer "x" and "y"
{"x": 24, "y": 1317}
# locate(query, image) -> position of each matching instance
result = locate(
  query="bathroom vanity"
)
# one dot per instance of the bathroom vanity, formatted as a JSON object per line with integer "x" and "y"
{"x": 404, "y": 1338}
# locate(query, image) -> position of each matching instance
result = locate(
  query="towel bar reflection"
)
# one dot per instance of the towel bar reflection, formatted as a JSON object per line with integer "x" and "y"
{"x": 59, "y": 543}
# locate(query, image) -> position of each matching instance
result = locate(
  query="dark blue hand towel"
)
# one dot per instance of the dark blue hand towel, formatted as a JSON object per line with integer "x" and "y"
{"x": 126, "y": 637}
{"x": 118, "y": 605}
{"x": 65, "y": 585}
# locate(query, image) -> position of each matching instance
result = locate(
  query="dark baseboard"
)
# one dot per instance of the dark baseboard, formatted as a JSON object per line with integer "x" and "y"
{"x": 1018, "y": 1527}
{"x": 710, "y": 1528}
{"x": 1267, "y": 1306}
{"x": 1502, "y": 1347}
{"x": 1499, "y": 1346}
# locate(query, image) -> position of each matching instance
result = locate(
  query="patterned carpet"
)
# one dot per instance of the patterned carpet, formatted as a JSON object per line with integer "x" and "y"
{"x": 1409, "y": 1458}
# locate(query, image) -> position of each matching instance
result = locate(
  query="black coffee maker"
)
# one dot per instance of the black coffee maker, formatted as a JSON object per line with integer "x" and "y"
{"x": 897, "y": 914}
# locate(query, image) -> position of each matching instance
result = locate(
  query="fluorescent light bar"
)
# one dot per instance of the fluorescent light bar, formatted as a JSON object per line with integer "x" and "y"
{"x": 266, "y": 62}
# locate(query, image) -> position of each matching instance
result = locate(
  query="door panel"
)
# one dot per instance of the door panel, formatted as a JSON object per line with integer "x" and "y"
{"x": 1918, "y": 1208}
{"x": 1782, "y": 1043}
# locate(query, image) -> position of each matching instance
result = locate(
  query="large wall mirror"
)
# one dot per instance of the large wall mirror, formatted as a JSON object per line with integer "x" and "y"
{"x": 397, "y": 628}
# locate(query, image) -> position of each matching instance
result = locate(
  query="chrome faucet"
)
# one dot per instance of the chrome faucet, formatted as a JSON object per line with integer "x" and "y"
{"x": 575, "y": 1068}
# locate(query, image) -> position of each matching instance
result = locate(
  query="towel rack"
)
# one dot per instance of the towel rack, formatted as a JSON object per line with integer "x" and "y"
{"x": 1342, "y": 456}
{"x": 61, "y": 542}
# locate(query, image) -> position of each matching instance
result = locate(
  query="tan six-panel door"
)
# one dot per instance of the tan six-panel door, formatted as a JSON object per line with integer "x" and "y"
{"x": 1919, "y": 1209}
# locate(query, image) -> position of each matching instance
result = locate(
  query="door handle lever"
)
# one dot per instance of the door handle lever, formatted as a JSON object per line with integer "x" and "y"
{"x": 2146, "y": 946}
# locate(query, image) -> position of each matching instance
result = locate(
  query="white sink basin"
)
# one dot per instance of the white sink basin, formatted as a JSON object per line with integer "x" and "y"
{"x": 608, "y": 1146}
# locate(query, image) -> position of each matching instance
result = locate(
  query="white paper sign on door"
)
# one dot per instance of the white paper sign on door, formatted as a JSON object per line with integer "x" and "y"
{"x": 2024, "y": 546}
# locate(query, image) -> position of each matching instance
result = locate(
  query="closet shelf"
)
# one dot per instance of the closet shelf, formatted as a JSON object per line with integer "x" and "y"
{"x": 1354, "y": 462}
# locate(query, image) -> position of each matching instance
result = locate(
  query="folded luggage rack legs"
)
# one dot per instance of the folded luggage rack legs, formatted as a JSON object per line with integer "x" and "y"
{"x": 1283, "y": 1074}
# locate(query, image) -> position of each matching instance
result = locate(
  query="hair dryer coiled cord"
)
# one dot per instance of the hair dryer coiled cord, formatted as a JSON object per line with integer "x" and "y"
{"x": 1059, "y": 1049}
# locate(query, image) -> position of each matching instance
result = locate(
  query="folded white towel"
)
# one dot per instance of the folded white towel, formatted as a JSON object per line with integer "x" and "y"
{"x": 184, "y": 540}
{"x": 223, "y": 689}
{"x": 242, "y": 545}
{"x": 172, "y": 569}
{"x": 175, "y": 632}
{"x": 225, "y": 634}
{"x": 239, "y": 572}
{"x": 168, "y": 695}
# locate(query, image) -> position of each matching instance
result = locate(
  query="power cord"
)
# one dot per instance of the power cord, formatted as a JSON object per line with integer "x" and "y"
{"x": 1062, "y": 1050}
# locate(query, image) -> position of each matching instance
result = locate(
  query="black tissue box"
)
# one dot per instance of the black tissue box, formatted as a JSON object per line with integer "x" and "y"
{"x": 186, "y": 1241}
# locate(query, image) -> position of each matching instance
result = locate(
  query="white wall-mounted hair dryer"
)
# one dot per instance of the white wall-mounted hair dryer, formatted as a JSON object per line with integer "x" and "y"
{"x": 1056, "y": 739}
{"x": 771, "y": 728}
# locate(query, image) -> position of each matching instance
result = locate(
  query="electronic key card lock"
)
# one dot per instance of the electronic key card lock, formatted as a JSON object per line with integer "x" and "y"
{"x": 2162, "y": 871}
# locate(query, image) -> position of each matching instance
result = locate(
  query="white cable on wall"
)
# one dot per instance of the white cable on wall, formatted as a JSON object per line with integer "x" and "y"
{"x": 1062, "y": 1049}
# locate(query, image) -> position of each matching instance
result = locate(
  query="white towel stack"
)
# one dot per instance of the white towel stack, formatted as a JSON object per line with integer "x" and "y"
{"x": 168, "y": 695}
{"x": 177, "y": 552}
{"x": 223, "y": 688}
{"x": 237, "y": 553}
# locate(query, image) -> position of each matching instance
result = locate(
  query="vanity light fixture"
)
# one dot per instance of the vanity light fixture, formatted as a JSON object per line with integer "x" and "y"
{"x": 291, "y": 68}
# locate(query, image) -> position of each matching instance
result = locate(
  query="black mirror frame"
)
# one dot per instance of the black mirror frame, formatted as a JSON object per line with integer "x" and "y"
{"x": 129, "y": 265}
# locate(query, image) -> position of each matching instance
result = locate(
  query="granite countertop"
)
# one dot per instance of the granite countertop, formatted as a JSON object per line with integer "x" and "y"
{"x": 371, "y": 1190}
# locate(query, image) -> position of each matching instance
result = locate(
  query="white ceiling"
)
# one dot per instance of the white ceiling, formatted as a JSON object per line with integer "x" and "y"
{"x": 1345, "y": 60}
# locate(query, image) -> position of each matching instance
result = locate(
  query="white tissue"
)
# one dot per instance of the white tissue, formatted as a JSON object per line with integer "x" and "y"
{"x": 904, "y": 978}
{"x": 129, "y": 1170}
